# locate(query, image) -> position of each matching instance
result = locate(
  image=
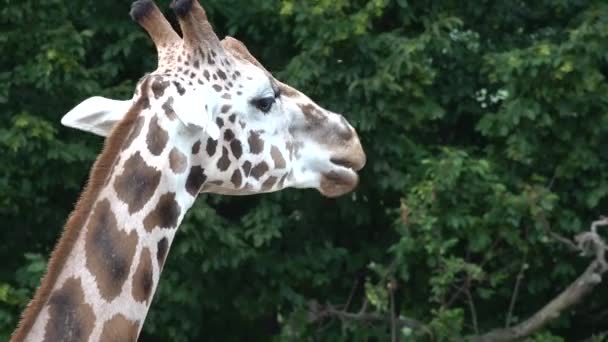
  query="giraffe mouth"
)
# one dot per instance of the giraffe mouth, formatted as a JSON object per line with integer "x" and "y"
{"x": 349, "y": 164}
{"x": 338, "y": 182}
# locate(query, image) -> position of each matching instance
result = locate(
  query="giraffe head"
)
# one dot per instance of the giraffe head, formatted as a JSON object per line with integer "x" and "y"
{"x": 254, "y": 133}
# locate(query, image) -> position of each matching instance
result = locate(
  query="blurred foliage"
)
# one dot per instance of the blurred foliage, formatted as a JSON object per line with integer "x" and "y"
{"x": 482, "y": 120}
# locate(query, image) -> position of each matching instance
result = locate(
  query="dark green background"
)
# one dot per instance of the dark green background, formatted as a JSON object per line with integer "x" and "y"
{"x": 483, "y": 121}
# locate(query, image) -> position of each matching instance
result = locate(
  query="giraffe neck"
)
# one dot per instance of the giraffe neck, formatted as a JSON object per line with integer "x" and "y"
{"x": 102, "y": 288}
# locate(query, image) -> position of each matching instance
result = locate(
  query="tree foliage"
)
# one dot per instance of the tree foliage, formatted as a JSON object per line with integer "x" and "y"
{"x": 486, "y": 129}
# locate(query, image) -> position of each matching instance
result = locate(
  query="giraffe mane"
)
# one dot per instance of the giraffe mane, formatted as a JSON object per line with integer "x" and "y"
{"x": 100, "y": 171}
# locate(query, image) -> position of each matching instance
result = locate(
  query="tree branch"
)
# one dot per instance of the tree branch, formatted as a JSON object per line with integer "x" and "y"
{"x": 569, "y": 297}
{"x": 587, "y": 243}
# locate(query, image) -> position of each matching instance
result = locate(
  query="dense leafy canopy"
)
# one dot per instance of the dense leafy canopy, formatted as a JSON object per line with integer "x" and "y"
{"x": 485, "y": 124}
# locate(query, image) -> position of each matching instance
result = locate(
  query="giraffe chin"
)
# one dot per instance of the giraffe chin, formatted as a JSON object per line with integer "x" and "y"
{"x": 338, "y": 182}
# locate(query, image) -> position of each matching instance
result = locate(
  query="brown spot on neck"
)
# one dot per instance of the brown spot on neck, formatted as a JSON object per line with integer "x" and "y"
{"x": 109, "y": 251}
{"x": 135, "y": 132}
{"x": 70, "y": 318}
{"x": 168, "y": 108}
{"x": 136, "y": 185}
{"x": 162, "y": 248}
{"x": 165, "y": 214}
{"x": 99, "y": 173}
{"x": 142, "y": 279}
{"x": 119, "y": 329}
{"x": 157, "y": 137}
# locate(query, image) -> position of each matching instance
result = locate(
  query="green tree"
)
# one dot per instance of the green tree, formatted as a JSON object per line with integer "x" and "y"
{"x": 486, "y": 129}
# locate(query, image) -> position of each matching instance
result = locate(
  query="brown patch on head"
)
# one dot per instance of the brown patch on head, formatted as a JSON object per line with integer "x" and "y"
{"x": 288, "y": 91}
{"x": 256, "y": 145}
{"x": 259, "y": 170}
{"x": 196, "y": 147}
{"x": 168, "y": 108}
{"x": 180, "y": 89}
{"x": 138, "y": 182}
{"x": 269, "y": 183}
{"x": 277, "y": 157}
{"x": 165, "y": 214}
{"x": 237, "y": 178}
{"x": 236, "y": 148}
{"x": 161, "y": 251}
{"x": 159, "y": 86}
{"x": 312, "y": 114}
{"x": 109, "y": 251}
{"x": 226, "y": 108}
{"x": 195, "y": 180}
{"x": 157, "y": 137}
{"x": 247, "y": 168}
{"x": 142, "y": 279}
{"x": 119, "y": 329}
{"x": 70, "y": 318}
{"x": 211, "y": 147}
{"x": 177, "y": 161}
{"x": 228, "y": 135}
{"x": 224, "y": 162}
{"x": 217, "y": 88}
{"x": 221, "y": 74}
{"x": 282, "y": 181}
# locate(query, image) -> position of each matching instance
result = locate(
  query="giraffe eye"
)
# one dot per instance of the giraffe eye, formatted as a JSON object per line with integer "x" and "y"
{"x": 264, "y": 104}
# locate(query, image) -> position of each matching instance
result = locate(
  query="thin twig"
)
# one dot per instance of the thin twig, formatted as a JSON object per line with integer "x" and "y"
{"x": 471, "y": 303}
{"x": 519, "y": 278}
{"x": 352, "y": 294}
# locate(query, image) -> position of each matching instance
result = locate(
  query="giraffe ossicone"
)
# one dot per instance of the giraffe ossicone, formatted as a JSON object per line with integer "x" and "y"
{"x": 210, "y": 118}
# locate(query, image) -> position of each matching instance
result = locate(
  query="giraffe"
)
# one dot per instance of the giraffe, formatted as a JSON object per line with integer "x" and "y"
{"x": 211, "y": 119}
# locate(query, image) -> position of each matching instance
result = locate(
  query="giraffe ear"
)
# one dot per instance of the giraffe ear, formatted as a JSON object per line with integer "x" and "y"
{"x": 96, "y": 115}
